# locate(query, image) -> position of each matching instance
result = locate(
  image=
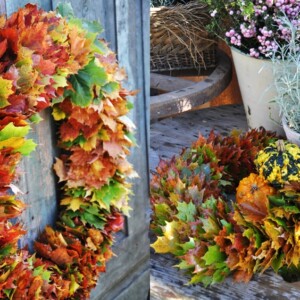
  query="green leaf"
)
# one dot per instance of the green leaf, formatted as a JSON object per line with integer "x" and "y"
{"x": 68, "y": 221}
{"x": 188, "y": 245}
{"x": 227, "y": 225}
{"x": 183, "y": 265}
{"x": 92, "y": 26}
{"x": 277, "y": 200}
{"x": 277, "y": 262}
{"x": 186, "y": 211}
{"x": 211, "y": 227}
{"x": 8, "y": 292}
{"x": 203, "y": 278}
{"x": 214, "y": 255}
{"x": 109, "y": 193}
{"x": 6, "y": 250}
{"x": 65, "y": 9}
{"x": 132, "y": 138}
{"x": 44, "y": 273}
{"x": 220, "y": 275}
{"x": 99, "y": 47}
{"x": 82, "y": 94}
{"x": 83, "y": 81}
{"x": 10, "y": 130}
{"x": 111, "y": 87}
{"x": 27, "y": 147}
{"x": 36, "y": 118}
{"x": 92, "y": 219}
{"x": 129, "y": 105}
{"x": 186, "y": 172}
{"x": 96, "y": 74}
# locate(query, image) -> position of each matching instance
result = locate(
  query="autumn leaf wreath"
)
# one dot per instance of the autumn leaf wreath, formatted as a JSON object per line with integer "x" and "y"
{"x": 213, "y": 237}
{"x": 52, "y": 59}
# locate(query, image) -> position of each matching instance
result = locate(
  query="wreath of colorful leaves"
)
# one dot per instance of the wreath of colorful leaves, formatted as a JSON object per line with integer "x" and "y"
{"x": 214, "y": 237}
{"x": 54, "y": 59}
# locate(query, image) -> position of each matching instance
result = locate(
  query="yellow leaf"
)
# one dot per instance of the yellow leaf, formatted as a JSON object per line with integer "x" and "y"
{"x": 4, "y": 276}
{"x": 162, "y": 245}
{"x": 73, "y": 203}
{"x": 90, "y": 244}
{"x": 5, "y": 91}
{"x": 58, "y": 114}
{"x": 90, "y": 144}
{"x": 74, "y": 285}
{"x": 97, "y": 166}
{"x": 13, "y": 142}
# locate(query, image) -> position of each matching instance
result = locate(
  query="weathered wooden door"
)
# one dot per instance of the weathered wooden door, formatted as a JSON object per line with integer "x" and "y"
{"x": 126, "y": 28}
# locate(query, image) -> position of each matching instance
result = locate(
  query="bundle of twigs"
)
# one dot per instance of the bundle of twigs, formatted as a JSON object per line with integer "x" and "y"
{"x": 180, "y": 30}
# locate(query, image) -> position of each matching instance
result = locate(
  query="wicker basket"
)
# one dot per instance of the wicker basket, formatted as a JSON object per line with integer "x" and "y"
{"x": 179, "y": 40}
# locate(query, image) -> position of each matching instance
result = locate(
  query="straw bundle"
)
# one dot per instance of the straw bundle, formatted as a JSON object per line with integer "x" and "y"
{"x": 179, "y": 39}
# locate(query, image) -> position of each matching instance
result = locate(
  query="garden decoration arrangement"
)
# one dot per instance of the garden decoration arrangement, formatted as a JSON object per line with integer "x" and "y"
{"x": 54, "y": 59}
{"x": 254, "y": 29}
{"x": 214, "y": 237}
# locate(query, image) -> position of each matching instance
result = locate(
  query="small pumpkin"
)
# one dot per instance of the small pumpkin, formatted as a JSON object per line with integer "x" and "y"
{"x": 279, "y": 162}
{"x": 252, "y": 196}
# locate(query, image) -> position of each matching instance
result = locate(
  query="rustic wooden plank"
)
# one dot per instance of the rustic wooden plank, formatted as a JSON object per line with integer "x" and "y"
{"x": 12, "y": 6}
{"x": 186, "y": 99}
{"x": 101, "y": 11}
{"x": 167, "y": 83}
{"x": 38, "y": 182}
{"x": 2, "y": 7}
{"x": 168, "y": 282}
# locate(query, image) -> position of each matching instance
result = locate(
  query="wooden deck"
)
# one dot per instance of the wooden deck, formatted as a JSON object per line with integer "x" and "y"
{"x": 167, "y": 138}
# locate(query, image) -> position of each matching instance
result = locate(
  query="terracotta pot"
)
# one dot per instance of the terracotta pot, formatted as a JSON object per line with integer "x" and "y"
{"x": 255, "y": 79}
{"x": 291, "y": 135}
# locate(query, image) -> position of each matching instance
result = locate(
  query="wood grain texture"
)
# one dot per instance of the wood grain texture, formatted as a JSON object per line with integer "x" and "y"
{"x": 38, "y": 181}
{"x": 13, "y": 5}
{"x": 101, "y": 11}
{"x": 165, "y": 83}
{"x": 168, "y": 137}
{"x": 2, "y": 7}
{"x": 190, "y": 97}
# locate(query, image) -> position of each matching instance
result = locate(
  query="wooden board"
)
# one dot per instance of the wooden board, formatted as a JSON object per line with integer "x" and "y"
{"x": 168, "y": 137}
{"x": 165, "y": 83}
{"x": 186, "y": 99}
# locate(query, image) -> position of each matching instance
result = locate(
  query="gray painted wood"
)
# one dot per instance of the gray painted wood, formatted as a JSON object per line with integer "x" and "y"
{"x": 99, "y": 10}
{"x": 13, "y": 5}
{"x": 126, "y": 28}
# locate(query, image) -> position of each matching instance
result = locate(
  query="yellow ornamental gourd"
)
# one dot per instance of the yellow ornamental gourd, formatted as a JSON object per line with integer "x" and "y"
{"x": 279, "y": 162}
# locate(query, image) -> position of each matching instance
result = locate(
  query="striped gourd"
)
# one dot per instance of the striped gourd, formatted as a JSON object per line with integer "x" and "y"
{"x": 279, "y": 162}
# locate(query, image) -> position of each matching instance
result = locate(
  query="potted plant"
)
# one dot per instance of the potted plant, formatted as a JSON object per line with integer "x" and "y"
{"x": 286, "y": 72}
{"x": 253, "y": 30}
